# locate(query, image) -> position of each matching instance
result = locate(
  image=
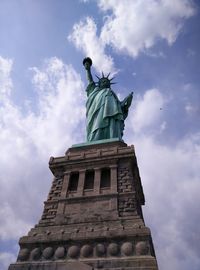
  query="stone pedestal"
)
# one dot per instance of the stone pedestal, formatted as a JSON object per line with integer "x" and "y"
{"x": 93, "y": 215}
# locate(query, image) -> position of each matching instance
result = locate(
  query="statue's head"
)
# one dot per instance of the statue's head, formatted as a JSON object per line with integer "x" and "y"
{"x": 104, "y": 82}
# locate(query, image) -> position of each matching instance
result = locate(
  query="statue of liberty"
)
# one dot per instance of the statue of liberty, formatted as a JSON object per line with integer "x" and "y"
{"x": 104, "y": 111}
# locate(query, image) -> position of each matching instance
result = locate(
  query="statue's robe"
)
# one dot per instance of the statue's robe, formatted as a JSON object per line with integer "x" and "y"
{"x": 104, "y": 112}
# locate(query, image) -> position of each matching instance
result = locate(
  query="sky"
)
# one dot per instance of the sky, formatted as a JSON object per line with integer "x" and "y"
{"x": 152, "y": 49}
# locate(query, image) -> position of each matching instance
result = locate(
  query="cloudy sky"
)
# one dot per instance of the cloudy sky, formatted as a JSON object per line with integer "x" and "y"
{"x": 152, "y": 47}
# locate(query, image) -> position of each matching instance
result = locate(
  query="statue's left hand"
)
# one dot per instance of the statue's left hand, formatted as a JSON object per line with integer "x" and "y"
{"x": 125, "y": 104}
{"x": 127, "y": 101}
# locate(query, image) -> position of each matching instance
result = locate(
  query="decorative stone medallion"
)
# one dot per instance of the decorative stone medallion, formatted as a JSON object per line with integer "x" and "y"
{"x": 127, "y": 248}
{"x": 35, "y": 254}
{"x": 113, "y": 249}
{"x": 47, "y": 253}
{"x": 86, "y": 251}
{"x": 141, "y": 248}
{"x": 73, "y": 252}
{"x": 60, "y": 252}
{"x": 100, "y": 250}
{"x": 23, "y": 254}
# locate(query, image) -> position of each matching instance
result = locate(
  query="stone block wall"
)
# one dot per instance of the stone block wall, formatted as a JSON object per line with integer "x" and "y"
{"x": 51, "y": 205}
{"x": 99, "y": 223}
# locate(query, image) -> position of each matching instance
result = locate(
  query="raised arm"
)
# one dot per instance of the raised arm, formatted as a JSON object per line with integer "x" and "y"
{"x": 87, "y": 62}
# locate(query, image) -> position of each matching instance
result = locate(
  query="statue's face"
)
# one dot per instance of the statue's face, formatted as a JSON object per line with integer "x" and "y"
{"x": 87, "y": 65}
{"x": 104, "y": 83}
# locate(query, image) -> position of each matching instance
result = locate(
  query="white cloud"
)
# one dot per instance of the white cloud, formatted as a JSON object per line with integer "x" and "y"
{"x": 5, "y": 259}
{"x": 170, "y": 174}
{"x": 152, "y": 54}
{"x": 27, "y": 142}
{"x": 191, "y": 109}
{"x": 84, "y": 36}
{"x": 135, "y": 26}
{"x": 170, "y": 177}
{"x": 147, "y": 110}
{"x": 84, "y": 1}
{"x": 130, "y": 27}
{"x": 5, "y": 81}
{"x": 8, "y": 216}
{"x": 163, "y": 126}
{"x": 61, "y": 96}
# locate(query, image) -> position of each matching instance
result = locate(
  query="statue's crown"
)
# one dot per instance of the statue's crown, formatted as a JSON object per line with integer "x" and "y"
{"x": 105, "y": 77}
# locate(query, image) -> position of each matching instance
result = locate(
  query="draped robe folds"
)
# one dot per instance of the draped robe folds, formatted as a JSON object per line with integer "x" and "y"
{"x": 105, "y": 118}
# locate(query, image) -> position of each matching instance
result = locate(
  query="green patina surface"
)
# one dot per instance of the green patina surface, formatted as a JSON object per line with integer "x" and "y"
{"x": 97, "y": 142}
{"x": 104, "y": 111}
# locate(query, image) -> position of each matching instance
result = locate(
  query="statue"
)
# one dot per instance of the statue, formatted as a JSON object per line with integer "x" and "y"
{"x": 105, "y": 113}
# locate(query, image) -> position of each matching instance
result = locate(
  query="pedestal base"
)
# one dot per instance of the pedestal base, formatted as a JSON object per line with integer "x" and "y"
{"x": 92, "y": 218}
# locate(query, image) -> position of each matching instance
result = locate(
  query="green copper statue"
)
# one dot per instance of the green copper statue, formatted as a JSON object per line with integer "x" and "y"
{"x": 105, "y": 113}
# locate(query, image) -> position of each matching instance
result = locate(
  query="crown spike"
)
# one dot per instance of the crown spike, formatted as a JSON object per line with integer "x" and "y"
{"x": 112, "y": 78}
{"x": 108, "y": 75}
{"x": 98, "y": 77}
{"x": 103, "y": 75}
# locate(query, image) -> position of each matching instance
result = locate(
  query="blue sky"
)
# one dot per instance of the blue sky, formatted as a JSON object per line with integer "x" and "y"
{"x": 152, "y": 48}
